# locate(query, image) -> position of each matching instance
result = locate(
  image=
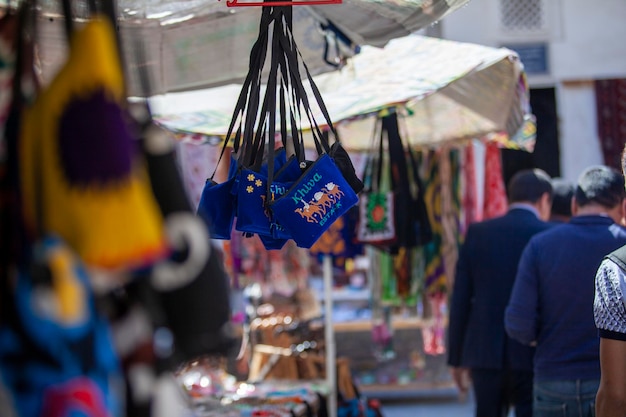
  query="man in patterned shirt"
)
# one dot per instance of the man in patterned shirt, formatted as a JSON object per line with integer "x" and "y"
{"x": 610, "y": 317}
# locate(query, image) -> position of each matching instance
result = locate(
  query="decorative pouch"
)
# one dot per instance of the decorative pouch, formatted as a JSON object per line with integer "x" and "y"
{"x": 218, "y": 204}
{"x": 314, "y": 202}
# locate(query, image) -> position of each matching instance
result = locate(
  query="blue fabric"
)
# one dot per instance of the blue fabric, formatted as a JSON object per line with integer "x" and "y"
{"x": 47, "y": 358}
{"x": 218, "y": 204}
{"x": 314, "y": 202}
{"x": 569, "y": 398}
{"x": 217, "y": 208}
{"x": 552, "y": 300}
{"x": 253, "y": 214}
{"x": 484, "y": 278}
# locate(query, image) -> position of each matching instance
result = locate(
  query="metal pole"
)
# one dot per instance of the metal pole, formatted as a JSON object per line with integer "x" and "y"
{"x": 329, "y": 335}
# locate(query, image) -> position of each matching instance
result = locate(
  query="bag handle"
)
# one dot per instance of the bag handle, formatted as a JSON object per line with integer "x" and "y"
{"x": 257, "y": 57}
{"x": 318, "y": 98}
{"x": 292, "y": 53}
{"x": 68, "y": 19}
{"x": 380, "y": 156}
{"x": 368, "y": 170}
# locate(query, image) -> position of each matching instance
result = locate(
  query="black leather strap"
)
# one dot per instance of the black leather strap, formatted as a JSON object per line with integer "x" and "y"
{"x": 619, "y": 257}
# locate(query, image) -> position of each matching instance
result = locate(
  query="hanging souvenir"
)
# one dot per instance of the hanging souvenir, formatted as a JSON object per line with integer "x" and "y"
{"x": 56, "y": 353}
{"x": 82, "y": 175}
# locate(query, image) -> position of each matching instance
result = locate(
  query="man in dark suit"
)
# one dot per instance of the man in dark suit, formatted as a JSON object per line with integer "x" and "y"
{"x": 501, "y": 369}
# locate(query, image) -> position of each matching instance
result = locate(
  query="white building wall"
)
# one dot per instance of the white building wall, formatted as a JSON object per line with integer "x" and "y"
{"x": 585, "y": 42}
{"x": 579, "y": 143}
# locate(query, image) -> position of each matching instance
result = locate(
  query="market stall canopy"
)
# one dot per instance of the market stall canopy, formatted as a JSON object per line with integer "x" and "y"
{"x": 444, "y": 90}
{"x": 191, "y": 44}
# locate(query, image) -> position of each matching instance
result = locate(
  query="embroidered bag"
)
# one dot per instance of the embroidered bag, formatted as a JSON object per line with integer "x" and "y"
{"x": 218, "y": 202}
{"x": 321, "y": 195}
{"x": 376, "y": 207}
{"x": 257, "y": 185}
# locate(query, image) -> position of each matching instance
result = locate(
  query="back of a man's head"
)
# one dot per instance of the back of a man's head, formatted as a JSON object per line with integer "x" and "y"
{"x": 600, "y": 184}
{"x": 528, "y": 186}
{"x": 562, "y": 193}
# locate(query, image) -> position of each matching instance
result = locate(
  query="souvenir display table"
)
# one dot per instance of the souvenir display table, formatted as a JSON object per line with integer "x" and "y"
{"x": 276, "y": 398}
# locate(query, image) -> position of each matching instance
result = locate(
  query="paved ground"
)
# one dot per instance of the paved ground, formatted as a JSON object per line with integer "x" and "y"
{"x": 440, "y": 403}
{"x": 428, "y": 408}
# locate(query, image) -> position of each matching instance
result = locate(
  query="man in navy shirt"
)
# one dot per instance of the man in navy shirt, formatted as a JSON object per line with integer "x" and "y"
{"x": 551, "y": 305}
{"x": 500, "y": 368}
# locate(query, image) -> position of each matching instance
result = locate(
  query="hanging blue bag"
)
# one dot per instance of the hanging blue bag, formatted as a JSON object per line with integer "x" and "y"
{"x": 218, "y": 203}
{"x": 261, "y": 180}
{"x": 253, "y": 214}
{"x": 321, "y": 194}
{"x": 314, "y": 202}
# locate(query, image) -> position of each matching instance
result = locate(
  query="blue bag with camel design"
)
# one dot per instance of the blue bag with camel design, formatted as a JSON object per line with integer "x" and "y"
{"x": 314, "y": 202}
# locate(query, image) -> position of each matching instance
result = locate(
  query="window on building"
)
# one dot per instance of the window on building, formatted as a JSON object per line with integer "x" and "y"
{"x": 523, "y": 15}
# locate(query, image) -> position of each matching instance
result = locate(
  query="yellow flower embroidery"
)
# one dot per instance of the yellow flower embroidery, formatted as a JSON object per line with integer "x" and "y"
{"x": 249, "y": 189}
{"x": 258, "y": 183}
{"x": 250, "y": 177}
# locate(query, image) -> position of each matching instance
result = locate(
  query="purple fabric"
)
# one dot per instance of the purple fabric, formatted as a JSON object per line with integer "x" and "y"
{"x": 95, "y": 141}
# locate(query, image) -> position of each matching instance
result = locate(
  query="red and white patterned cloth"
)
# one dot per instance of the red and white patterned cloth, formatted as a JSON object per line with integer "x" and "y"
{"x": 496, "y": 203}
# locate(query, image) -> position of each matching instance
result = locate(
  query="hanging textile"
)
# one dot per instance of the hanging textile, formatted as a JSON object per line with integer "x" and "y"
{"x": 338, "y": 241}
{"x": 388, "y": 284}
{"x": 450, "y": 210}
{"x": 479, "y": 165}
{"x": 470, "y": 203}
{"x": 496, "y": 202}
{"x": 433, "y": 334}
{"x": 611, "y": 114}
{"x": 435, "y": 274}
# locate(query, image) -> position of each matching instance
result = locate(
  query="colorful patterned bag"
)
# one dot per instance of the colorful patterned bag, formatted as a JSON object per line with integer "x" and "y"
{"x": 56, "y": 353}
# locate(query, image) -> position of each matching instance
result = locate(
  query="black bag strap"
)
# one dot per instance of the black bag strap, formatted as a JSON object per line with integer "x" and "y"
{"x": 68, "y": 19}
{"x": 380, "y": 158}
{"x": 251, "y": 82}
{"x": 292, "y": 53}
{"x": 619, "y": 257}
{"x": 270, "y": 95}
{"x": 370, "y": 158}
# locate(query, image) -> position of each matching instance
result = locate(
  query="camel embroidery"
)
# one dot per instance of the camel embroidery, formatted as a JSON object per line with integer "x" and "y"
{"x": 315, "y": 209}
{"x": 309, "y": 211}
{"x": 333, "y": 191}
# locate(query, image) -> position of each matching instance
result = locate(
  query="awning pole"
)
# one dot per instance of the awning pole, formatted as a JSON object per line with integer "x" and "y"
{"x": 329, "y": 335}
